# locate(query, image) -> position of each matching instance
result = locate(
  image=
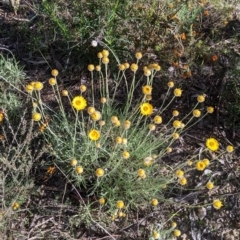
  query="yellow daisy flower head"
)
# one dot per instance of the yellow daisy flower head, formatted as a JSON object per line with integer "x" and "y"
{"x": 54, "y": 72}
{"x": 94, "y": 135}
{"x": 148, "y": 97}
{"x": 79, "y": 169}
{"x": 176, "y": 135}
{"x": 177, "y": 92}
{"x": 120, "y": 213}
{"x": 126, "y": 154}
{"x": 156, "y": 234}
{"x": 169, "y": 149}
{"x": 147, "y": 89}
{"x": 134, "y": 67}
{"x": 196, "y": 113}
{"x": 230, "y": 148}
{"x": 114, "y": 119}
{"x": 119, "y": 140}
{"x": 103, "y": 100}
{"x": 100, "y": 55}
{"x": 105, "y": 60}
{"x": 83, "y": 88}
{"x": 15, "y": 206}
{"x": 154, "y": 202}
{"x": 146, "y": 109}
{"x": 147, "y": 72}
{"x": 212, "y": 144}
{"x": 173, "y": 224}
{"x": 73, "y": 162}
{"x": 64, "y": 93}
{"x": 210, "y": 109}
{"x": 91, "y": 110}
{"x": 176, "y": 233}
{"x": 99, "y": 172}
{"x": 127, "y": 124}
{"x": 101, "y": 201}
{"x": 52, "y": 81}
{"x": 175, "y": 113}
{"x": 182, "y": 181}
{"x": 148, "y": 161}
{"x": 29, "y": 88}
{"x": 117, "y": 123}
{"x": 121, "y": 67}
{"x": 206, "y": 161}
{"x": 152, "y": 127}
{"x": 96, "y": 116}
{"x": 138, "y": 55}
{"x": 105, "y": 53}
{"x": 98, "y": 68}
{"x": 200, "y": 165}
{"x": 127, "y": 65}
{"x": 120, "y": 204}
{"x": 189, "y": 162}
{"x": 90, "y": 67}
{"x": 170, "y": 84}
{"x": 141, "y": 172}
{"x": 180, "y": 173}
{"x": 210, "y": 185}
{"x": 38, "y": 86}
{"x": 124, "y": 141}
{"x": 102, "y": 123}
{"x": 157, "y": 119}
{"x": 79, "y": 103}
{"x": 200, "y": 98}
{"x": 217, "y": 204}
{"x": 177, "y": 124}
{"x": 1, "y": 116}
{"x": 36, "y": 116}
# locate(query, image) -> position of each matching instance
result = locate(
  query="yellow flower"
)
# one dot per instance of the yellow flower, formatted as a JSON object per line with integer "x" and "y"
{"x": 126, "y": 65}
{"x": 90, "y": 67}
{"x": 73, "y": 162}
{"x": 175, "y": 113}
{"x": 36, "y": 116}
{"x": 15, "y": 206}
{"x": 169, "y": 150}
{"x": 83, "y": 88}
{"x": 147, "y": 89}
{"x": 180, "y": 173}
{"x": 105, "y": 53}
{"x": 96, "y": 116}
{"x": 127, "y": 124}
{"x": 99, "y": 172}
{"x": 141, "y": 173}
{"x": 54, "y": 72}
{"x": 124, "y": 141}
{"x": 117, "y": 123}
{"x": 152, "y": 127}
{"x": 120, "y": 204}
{"x": 114, "y": 119}
{"x": 100, "y": 55}
{"x": 201, "y": 98}
{"x": 189, "y": 162}
{"x": 138, "y": 55}
{"x": 230, "y": 148}
{"x": 148, "y": 97}
{"x": 126, "y": 154}
{"x": 94, "y": 135}
{"x": 102, "y": 123}
{"x": 29, "y": 88}
{"x": 200, "y": 165}
{"x": 147, "y": 161}
{"x": 156, "y": 234}
{"x": 52, "y": 81}
{"x": 105, "y": 60}
{"x": 182, "y": 181}
{"x": 154, "y": 66}
{"x": 147, "y": 72}
{"x": 171, "y": 84}
{"x": 212, "y": 144}
{"x": 121, "y": 67}
{"x": 154, "y": 202}
{"x": 79, "y": 103}
{"x": 1, "y": 116}
{"x": 79, "y": 170}
{"x": 120, "y": 214}
{"x": 176, "y": 233}
{"x": 210, "y": 185}
{"x": 157, "y": 119}
{"x": 91, "y": 110}
{"x": 176, "y": 135}
{"x": 174, "y": 224}
{"x": 146, "y": 109}
{"x": 177, "y": 124}
{"x": 196, "y": 113}
{"x": 119, "y": 140}
{"x": 38, "y": 86}
{"x": 134, "y": 67}
{"x": 217, "y": 204}
{"x": 101, "y": 201}
{"x": 206, "y": 161}
{"x": 177, "y": 92}
{"x": 210, "y": 109}
{"x": 64, "y": 93}
{"x": 103, "y": 100}
{"x": 98, "y": 68}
